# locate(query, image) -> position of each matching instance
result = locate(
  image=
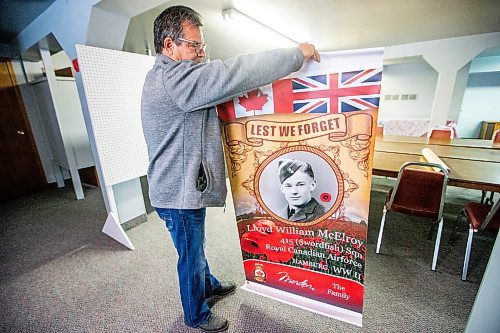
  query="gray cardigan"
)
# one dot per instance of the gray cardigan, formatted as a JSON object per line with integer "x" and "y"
{"x": 181, "y": 127}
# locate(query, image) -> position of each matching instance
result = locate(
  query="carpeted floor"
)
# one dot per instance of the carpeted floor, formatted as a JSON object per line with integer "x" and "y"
{"x": 60, "y": 273}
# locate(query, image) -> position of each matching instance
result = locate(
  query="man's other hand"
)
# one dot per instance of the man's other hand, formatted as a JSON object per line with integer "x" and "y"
{"x": 309, "y": 52}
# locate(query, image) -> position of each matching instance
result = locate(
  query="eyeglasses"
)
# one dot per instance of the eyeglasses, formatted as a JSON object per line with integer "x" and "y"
{"x": 197, "y": 46}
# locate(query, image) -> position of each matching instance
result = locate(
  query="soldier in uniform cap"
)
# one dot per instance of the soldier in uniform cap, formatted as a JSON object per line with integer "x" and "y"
{"x": 297, "y": 182}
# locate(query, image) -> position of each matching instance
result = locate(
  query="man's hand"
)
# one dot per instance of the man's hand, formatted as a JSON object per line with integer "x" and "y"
{"x": 309, "y": 52}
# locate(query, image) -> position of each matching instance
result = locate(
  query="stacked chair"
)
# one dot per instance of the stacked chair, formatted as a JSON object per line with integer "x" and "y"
{"x": 441, "y": 132}
{"x": 380, "y": 130}
{"x": 496, "y": 136}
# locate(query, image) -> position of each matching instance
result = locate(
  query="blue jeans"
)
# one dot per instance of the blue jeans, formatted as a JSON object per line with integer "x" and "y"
{"x": 187, "y": 228}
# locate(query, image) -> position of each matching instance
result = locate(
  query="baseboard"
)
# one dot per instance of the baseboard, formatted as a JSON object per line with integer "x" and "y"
{"x": 136, "y": 221}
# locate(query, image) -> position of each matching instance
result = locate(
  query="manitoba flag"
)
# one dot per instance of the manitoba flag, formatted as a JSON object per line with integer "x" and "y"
{"x": 353, "y": 90}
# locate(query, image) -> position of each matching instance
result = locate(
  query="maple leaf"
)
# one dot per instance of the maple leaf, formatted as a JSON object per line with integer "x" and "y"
{"x": 253, "y": 102}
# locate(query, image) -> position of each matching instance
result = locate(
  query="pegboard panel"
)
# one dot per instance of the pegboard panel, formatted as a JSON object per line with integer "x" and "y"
{"x": 113, "y": 83}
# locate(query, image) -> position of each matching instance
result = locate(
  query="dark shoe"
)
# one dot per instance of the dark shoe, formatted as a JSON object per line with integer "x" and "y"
{"x": 214, "y": 324}
{"x": 225, "y": 288}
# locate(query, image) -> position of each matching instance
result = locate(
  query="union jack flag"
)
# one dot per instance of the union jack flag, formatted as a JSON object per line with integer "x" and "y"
{"x": 363, "y": 78}
{"x": 338, "y": 92}
{"x": 311, "y": 84}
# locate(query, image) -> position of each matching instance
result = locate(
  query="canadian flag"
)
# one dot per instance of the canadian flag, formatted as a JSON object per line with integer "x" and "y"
{"x": 252, "y": 103}
{"x": 267, "y": 99}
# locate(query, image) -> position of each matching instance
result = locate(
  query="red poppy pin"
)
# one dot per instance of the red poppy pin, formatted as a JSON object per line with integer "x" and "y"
{"x": 325, "y": 197}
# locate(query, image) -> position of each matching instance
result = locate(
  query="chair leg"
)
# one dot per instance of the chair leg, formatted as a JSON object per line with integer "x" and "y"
{"x": 436, "y": 246}
{"x": 485, "y": 199}
{"x": 381, "y": 231}
{"x": 483, "y": 195}
{"x": 490, "y": 200}
{"x": 431, "y": 231}
{"x": 467, "y": 254}
{"x": 453, "y": 236}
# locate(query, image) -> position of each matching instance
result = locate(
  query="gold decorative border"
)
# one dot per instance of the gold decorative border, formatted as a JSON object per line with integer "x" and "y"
{"x": 359, "y": 152}
{"x": 354, "y": 133}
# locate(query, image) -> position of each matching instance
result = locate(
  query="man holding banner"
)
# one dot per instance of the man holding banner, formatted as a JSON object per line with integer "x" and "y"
{"x": 182, "y": 132}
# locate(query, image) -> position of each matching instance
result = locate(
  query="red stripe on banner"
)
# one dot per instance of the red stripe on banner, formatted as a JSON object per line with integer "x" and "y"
{"x": 325, "y": 288}
{"x": 226, "y": 111}
{"x": 355, "y": 77}
{"x": 282, "y": 96}
{"x": 304, "y": 82}
{"x": 360, "y": 101}
{"x": 311, "y": 107}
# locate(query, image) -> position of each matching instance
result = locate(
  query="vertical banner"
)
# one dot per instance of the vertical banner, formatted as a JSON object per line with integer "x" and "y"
{"x": 299, "y": 154}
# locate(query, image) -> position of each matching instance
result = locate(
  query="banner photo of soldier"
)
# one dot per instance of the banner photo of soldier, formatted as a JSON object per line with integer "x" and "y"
{"x": 299, "y": 154}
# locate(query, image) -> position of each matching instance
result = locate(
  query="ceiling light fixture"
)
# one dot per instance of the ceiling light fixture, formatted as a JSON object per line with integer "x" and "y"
{"x": 232, "y": 15}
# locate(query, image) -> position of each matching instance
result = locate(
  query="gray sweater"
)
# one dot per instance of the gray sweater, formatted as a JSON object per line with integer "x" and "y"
{"x": 181, "y": 127}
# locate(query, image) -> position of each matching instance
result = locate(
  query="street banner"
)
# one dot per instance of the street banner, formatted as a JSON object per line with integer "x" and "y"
{"x": 299, "y": 155}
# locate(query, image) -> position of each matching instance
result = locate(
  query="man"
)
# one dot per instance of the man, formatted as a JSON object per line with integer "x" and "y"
{"x": 297, "y": 183}
{"x": 186, "y": 171}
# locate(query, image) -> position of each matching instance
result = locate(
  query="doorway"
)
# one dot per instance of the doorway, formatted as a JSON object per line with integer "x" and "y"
{"x": 21, "y": 169}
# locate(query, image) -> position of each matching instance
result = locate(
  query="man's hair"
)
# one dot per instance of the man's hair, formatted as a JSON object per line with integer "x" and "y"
{"x": 169, "y": 24}
{"x": 287, "y": 167}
